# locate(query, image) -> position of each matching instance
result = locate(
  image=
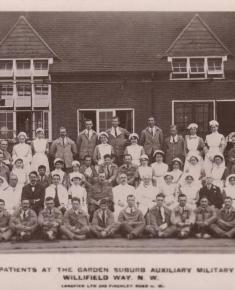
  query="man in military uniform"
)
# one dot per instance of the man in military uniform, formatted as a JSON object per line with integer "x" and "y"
{"x": 75, "y": 224}
{"x": 24, "y": 221}
{"x": 5, "y": 230}
{"x": 129, "y": 169}
{"x": 183, "y": 218}
{"x": 224, "y": 227}
{"x": 50, "y": 219}
{"x": 158, "y": 220}
{"x": 103, "y": 225}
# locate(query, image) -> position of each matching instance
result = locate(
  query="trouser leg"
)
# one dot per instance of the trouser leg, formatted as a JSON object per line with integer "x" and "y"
{"x": 6, "y": 235}
{"x": 138, "y": 230}
{"x": 125, "y": 229}
{"x": 217, "y": 231}
{"x": 231, "y": 233}
{"x": 67, "y": 232}
{"x": 151, "y": 230}
{"x": 169, "y": 232}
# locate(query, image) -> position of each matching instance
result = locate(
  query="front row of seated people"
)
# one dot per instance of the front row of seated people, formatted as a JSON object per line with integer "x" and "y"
{"x": 159, "y": 222}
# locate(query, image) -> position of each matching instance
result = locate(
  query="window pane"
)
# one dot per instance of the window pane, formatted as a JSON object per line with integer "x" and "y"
{"x": 6, "y": 125}
{"x": 41, "y": 89}
{"x": 24, "y": 89}
{"x": 179, "y": 65}
{"x": 197, "y": 65}
{"x": 126, "y": 119}
{"x": 40, "y": 64}
{"x": 6, "y": 64}
{"x": 105, "y": 120}
{"x": 214, "y": 64}
{"x": 23, "y": 64}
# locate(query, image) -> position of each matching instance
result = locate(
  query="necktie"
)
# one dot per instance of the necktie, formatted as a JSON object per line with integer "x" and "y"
{"x": 115, "y": 129}
{"x": 24, "y": 214}
{"x": 41, "y": 179}
{"x": 56, "y": 198}
{"x": 88, "y": 134}
{"x": 50, "y": 211}
{"x": 103, "y": 218}
{"x": 108, "y": 170}
{"x": 63, "y": 141}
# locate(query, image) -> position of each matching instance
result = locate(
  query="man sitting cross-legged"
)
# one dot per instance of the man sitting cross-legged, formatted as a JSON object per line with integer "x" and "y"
{"x": 131, "y": 220}
{"x": 205, "y": 216}
{"x": 24, "y": 221}
{"x": 5, "y": 231}
{"x": 182, "y": 217}
{"x": 103, "y": 224}
{"x": 75, "y": 224}
{"x": 224, "y": 227}
{"x": 50, "y": 219}
{"x": 158, "y": 220}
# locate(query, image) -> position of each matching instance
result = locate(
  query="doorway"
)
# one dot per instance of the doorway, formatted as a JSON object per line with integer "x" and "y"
{"x": 226, "y": 116}
{"x": 24, "y": 123}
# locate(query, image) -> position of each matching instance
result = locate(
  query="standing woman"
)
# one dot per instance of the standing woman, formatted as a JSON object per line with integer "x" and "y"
{"x": 40, "y": 149}
{"x": 134, "y": 149}
{"x": 215, "y": 144}
{"x": 23, "y": 150}
{"x": 193, "y": 143}
{"x": 219, "y": 171}
{"x": 102, "y": 149}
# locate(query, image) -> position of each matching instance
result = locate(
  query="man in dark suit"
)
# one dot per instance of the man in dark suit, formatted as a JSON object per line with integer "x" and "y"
{"x": 118, "y": 138}
{"x": 34, "y": 192}
{"x": 212, "y": 193}
{"x": 86, "y": 141}
{"x": 88, "y": 170}
{"x": 103, "y": 225}
{"x": 110, "y": 169}
{"x": 224, "y": 227}
{"x": 158, "y": 220}
{"x": 151, "y": 138}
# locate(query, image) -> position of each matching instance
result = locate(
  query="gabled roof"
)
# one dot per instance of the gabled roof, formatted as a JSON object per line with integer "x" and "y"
{"x": 23, "y": 41}
{"x": 197, "y": 39}
{"x": 117, "y": 41}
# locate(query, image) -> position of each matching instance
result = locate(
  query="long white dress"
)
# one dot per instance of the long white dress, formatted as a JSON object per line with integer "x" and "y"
{"x": 135, "y": 151}
{"x": 21, "y": 174}
{"x": 145, "y": 196}
{"x": 40, "y": 158}
{"x": 79, "y": 192}
{"x": 169, "y": 191}
{"x": 230, "y": 191}
{"x": 217, "y": 173}
{"x": 159, "y": 170}
{"x": 145, "y": 172}
{"x": 191, "y": 191}
{"x": 23, "y": 150}
{"x": 214, "y": 141}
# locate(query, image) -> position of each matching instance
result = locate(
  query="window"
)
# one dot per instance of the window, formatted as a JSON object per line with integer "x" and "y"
{"x": 41, "y": 89}
{"x": 40, "y": 64}
{"x": 102, "y": 118}
{"x": 23, "y": 64}
{"x": 197, "y": 67}
{"x": 6, "y": 125}
{"x": 193, "y": 112}
{"x": 24, "y": 90}
{"x": 6, "y": 90}
{"x": 6, "y": 64}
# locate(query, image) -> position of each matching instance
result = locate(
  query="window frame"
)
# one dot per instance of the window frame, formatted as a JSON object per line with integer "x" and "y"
{"x": 105, "y": 110}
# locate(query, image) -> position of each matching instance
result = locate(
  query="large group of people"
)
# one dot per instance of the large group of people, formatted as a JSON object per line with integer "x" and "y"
{"x": 118, "y": 183}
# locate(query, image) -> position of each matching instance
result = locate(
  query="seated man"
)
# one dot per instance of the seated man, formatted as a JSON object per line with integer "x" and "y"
{"x": 5, "y": 230}
{"x": 88, "y": 170}
{"x": 4, "y": 170}
{"x": 75, "y": 224}
{"x": 58, "y": 192}
{"x": 205, "y": 216}
{"x": 131, "y": 220}
{"x": 43, "y": 179}
{"x": 103, "y": 225}
{"x": 129, "y": 169}
{"x": 182, "y": 217}
{"x": 212, "y": 192}
{"x": 50, "y": 219}
{"x": 158, "y": 220}
{"x": 100, "y": 189}
{"x": 24, "y": 221}
{"x": 224, "y": 227}
{"x": 109, "y": 168}
{"x": 34, "y": 192}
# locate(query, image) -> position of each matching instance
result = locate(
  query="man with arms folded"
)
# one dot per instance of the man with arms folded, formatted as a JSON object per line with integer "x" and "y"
{"x": 5, "y": 230}
{"x": 50, "y": 219}
{"x": 158, "y": 220}
{"x": 24, "y": 221}
{"x": 131, "y": 220}
{"x": 75, "y": 224}
{"x": 103, "y": 224}
{"x": 224, "y": 227}
{"x": 205, "y": 216}
{"x": 183, "y": 218}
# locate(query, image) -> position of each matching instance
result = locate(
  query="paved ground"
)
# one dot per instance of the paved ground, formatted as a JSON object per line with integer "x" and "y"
{"x": 220, "y": 246}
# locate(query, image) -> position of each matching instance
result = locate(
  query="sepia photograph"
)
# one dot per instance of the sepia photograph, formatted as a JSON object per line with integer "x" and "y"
{"x": 117, "y": 138}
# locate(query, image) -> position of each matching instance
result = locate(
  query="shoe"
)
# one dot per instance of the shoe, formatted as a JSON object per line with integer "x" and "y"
{"x": 206, "y": 236}
{"x": 198, "y": 235}
{"x": 130, "y": 236}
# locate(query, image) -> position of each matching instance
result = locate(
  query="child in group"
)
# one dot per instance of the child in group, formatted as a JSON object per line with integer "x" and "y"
{"x": 134, "y": 149}
{"x": 144, "y": 170}
{"x": 176, "y": 170}
{"x": 159, "y": 168}
{"x": 77, "y": 190}
{"x": 219, "y": 171}
{"x": 229, "y": 189}
{"x": 20, "y": 171}
{"x": 64, "y": 179}
{"x": 102, "y": 149}
{"x": 191, "y": 189}
{"x": 169, "y": 189}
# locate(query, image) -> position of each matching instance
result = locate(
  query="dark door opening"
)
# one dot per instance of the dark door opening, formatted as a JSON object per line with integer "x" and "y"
{"x": 24, "y": 123}
{"x": 226, "y": 117}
